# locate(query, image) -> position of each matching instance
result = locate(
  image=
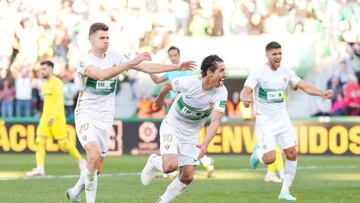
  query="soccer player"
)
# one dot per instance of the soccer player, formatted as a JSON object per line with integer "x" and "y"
{"x": 94, "y": 113}
{"x": 52, "y": 122}
{"x": 268, "y": 83}
{"x": 198, "y": 98}
{"x": 174, "y": 56}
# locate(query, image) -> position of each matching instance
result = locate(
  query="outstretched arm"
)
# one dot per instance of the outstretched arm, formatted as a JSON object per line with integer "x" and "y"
{"x": 106, "y": 74}
{"x": 311, "y": 90}
{"x": 160, "y": 68}
{"x": 210, "y": 133}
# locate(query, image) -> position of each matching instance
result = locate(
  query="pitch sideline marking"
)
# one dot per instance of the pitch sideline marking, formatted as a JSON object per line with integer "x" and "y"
{"x": 21, "y": 177}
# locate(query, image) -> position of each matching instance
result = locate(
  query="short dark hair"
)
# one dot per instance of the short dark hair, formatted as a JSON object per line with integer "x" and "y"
{"x": 48, "y": 63}
{"x": 97, "y": 26}
{"x": 272, "y": 45}
{"x": 173, "y": 48}
{"x": 209, "y": 63}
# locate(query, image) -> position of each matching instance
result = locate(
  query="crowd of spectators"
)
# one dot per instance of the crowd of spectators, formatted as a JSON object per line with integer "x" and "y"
{"x": 33, "y": 31}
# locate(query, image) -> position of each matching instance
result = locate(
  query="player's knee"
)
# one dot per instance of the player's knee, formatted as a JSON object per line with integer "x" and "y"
{"x": 169, "y": 167}
{"x": 94, "y": 159}
{"x": 269, "y": 161}
{"x": 63, "y": 144}
{"x": 186, "y": 179}
{"x": 291, "y": 155}
{"x": 40, "y": 141}
{"x": 269, "y": 158}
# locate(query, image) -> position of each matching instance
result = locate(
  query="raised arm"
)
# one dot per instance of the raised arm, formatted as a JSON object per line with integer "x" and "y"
{"x": 311, "y": 90}
{"x": 211, "y": 132}
{"x": 160, "y": 68}
{"x": 106, "y": 74}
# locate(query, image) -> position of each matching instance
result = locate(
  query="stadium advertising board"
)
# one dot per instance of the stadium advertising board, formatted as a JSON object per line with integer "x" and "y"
{"x": 136, "y": 137}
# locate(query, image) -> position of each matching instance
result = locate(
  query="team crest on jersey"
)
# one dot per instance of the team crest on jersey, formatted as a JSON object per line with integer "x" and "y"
{"x": 211, "y": 102}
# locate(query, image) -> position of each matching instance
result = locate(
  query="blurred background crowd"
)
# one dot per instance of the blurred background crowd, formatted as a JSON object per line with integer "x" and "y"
{"x": 58, "y": 30}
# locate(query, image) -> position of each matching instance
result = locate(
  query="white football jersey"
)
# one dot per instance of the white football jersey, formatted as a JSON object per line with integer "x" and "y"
{"x": 192, "y": 106}
{"x": 98, "y": 97}
{"x": 270, "y": 86}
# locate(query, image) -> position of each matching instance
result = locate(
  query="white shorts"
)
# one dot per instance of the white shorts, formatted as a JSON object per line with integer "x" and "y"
{"x": 187, "y": 152}
{"x": 273, "y": 131}
{"x": 94, "y": 131}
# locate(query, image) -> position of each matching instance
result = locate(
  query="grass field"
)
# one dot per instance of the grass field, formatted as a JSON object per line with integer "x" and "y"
{"x": 319, "y": 179}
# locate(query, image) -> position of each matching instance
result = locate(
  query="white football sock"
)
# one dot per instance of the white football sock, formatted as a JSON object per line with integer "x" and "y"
{"x": 157, "y": 162}
{"x": 289, "y": 174}
{"x": 259, "y": 154}
{"x": 206, "y": 161}
{"x": 79, "y": 186}
{"x": 172, "y": 191}
{"x": 90, "y": 186}
{"x": 281, "y": 174}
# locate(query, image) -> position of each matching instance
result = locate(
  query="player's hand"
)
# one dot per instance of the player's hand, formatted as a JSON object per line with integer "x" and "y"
{"x": 146, "y": 56}
{"x": 202, "y": 152}
{"x": 329, "y": 94}
{"x": 187, "y": 65}
{"x": 50, "y": 121}
{"x": 253, "y": 115}
{"x": 246, "y": 99}
{"x": 158, "y": 104}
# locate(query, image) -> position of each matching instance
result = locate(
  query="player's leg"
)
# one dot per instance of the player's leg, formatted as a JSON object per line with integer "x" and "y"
{"x": 264, "y": 151}
{"x": 42, "y": 133}
{"x": 73, "y": 193}
{"x": 187, "y": 161}
{"x": 93, "y": 162}
{"x": 175, "y": 188}
{"x": 167, "y": 162}
{"x": 287, "y": 142}
{"x": 208, "y": 164}
{"x": 95, "y": 142}
{"x": 279, "y": 163}
{"x": 39, "y": 156}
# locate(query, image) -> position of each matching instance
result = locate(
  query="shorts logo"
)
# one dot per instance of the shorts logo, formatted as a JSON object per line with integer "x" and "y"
{"x": 84, "y": 138}
{"x": 167, "y": 146}
{"x": 264, "y": 146}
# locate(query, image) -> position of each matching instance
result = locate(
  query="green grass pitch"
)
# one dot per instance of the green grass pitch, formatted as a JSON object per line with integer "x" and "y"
{"x": 318, "y": 179}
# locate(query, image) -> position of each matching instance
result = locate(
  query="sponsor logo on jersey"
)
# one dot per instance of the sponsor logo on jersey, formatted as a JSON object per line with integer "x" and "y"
{"x": 222, "y": 104}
